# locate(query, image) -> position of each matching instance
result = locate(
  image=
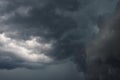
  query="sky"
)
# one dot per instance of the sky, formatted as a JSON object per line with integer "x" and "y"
{"x": 59, "y": 39}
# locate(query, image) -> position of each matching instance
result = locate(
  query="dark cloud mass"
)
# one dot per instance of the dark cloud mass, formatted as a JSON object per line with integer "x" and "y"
{"x": 103, "y": 55}
{"x": 53, "y": 36}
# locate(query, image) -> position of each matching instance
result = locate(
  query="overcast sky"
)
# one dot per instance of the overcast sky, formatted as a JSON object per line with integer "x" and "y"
{"x": 46, "y": 39}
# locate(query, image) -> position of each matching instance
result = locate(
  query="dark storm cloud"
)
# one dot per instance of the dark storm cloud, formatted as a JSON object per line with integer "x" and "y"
{"x": 70, "y": 31}
{"x": 51, "y": 30}
{"x": 62, "y": 71}
{"x": 103, "y": 54}
{"x": 45, "y": 18}
{"x": 26, "y": 19}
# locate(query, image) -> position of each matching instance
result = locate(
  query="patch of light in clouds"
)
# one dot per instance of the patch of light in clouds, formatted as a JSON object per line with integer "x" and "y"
{"x": 29, "y": 50}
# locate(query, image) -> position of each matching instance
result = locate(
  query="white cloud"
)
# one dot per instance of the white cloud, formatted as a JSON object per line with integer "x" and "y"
{"x": 30, "y": 50}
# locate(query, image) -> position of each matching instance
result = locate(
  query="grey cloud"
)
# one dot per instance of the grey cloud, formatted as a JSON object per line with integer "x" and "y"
{"x": 61, "y": 71}
{"x": 103, "y": 52}
{"x": 70, "y": 5}
{"x": 35, "y": 21}
{"x": 70, "y": 24}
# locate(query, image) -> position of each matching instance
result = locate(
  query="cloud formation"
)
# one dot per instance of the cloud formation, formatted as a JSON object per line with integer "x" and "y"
{"x": 34, "y": 33}
{"x": 28, "y": 22}
{"x": 30, "y": 51}
{"x": 104, "y": 52}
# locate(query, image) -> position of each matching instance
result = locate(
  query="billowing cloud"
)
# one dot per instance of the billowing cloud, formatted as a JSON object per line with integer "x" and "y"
{"x": 30, "y": 50}
{"x": 104, "y": 52}
{"x": 36, "y": 33}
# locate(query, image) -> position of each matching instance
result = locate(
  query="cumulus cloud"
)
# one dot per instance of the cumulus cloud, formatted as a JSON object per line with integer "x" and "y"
{"x": 26, "y": 50}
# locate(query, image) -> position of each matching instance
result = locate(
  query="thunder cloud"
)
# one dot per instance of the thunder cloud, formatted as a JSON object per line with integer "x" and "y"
{"x": 37, "y": 34}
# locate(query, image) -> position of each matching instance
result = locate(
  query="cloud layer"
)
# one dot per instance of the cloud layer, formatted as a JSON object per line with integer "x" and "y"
{"x": 103, "y": 53}
{"x": 36, "y": 33}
